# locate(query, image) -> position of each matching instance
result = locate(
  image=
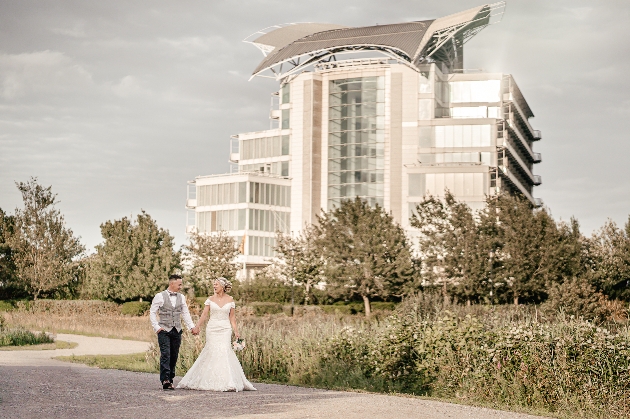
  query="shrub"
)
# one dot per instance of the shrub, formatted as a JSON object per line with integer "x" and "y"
{"x": 6, "y": 305}
{"x": 135, "y": 308}
{"x": 261, "y": 308}
{"x": 21, "y": 337}
{"x": 70, "y": 307}
{"x": 577, "y": 297}
{"x": 342, "y": 309}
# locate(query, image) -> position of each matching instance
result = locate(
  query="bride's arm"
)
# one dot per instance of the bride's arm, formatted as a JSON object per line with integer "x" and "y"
{"x": 204, "y": 317}
{"x": 233, "y": 323}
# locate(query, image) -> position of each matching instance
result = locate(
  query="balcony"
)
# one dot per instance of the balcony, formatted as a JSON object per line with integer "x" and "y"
{"x": 537, "y": 157}
{"x": 538, "y": 202}
{"x": 537, "y": 180}
{"x": 191, "y": 203}
{"x": 537, "y": 135}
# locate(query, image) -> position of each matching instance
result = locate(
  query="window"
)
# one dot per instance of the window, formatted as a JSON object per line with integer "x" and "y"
{"x": 285, "y": 118}
{"x": 475, "y": 91}
{"x": 463, "y": 136}
{"x": 417, "y": 184}
{"x": 286, "y": 93}
{"x": 425, "y": 108}
{"x": 424, "y": 82}
{"x": 356, "y": 138}
{"x": 192, "y": 191}
{"x": 459, "y": 184}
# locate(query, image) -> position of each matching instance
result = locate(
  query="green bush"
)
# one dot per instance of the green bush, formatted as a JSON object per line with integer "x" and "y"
{"x": 70, "y": 308}
{"x": 342, "y": 308}
{"x": 263, "y": 307}
{"x": 21, "y": 337}
{"x": 135, "y": 308}
{"x": 577, "y": 297}
{"x": 6, "y": 305}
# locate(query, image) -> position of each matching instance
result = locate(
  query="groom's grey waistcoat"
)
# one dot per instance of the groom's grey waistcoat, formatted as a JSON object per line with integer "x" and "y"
{"x": 171, "y": 317}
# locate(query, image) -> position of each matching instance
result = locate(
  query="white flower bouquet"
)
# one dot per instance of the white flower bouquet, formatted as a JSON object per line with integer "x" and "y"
{"x": 238, "y": 345}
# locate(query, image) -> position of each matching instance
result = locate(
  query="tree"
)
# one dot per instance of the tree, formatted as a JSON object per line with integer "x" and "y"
{"x": 210, "y": 257}
{"x": 534, "y": 252}
{"x": 457, "y": 247}
{"x": 609, "y": 250}
{"x": 134, "y": 261}
{"x": 9, "y": 285}
{"x": 43, "y": 250}
{"x": 366, "y": 252}
{"x": 301, "y": 262}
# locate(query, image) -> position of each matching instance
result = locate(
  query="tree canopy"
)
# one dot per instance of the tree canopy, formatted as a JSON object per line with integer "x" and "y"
{"x": 133, "y": 262}
{"x": 43, "y": 250}
{"x": 365, "y": 250}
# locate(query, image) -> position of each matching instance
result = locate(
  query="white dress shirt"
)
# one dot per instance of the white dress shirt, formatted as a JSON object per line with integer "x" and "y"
{"x": 158, "y": 301}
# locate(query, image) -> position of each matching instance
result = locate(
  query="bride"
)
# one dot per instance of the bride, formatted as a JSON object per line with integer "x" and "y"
{"x": 217, "y": 367}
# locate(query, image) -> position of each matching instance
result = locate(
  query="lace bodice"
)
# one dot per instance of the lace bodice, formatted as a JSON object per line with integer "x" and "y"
{"x": 219, "y": 313}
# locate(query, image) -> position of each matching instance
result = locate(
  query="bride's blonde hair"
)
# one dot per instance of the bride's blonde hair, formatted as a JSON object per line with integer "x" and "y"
{"x": 227, "y": 285}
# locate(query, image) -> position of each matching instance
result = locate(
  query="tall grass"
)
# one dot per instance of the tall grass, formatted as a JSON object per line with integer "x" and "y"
{"x": 106, "y": 325}
{"x": 16, "y": 336}
{"x": 509, "y": 358}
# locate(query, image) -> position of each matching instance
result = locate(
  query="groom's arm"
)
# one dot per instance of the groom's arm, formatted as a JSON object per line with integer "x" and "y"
{"x": 158, "y": 301}
{"x": 186, "y": 315}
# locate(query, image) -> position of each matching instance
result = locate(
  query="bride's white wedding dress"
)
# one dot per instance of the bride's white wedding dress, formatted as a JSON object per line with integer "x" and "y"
{"x": 217, "y": 367}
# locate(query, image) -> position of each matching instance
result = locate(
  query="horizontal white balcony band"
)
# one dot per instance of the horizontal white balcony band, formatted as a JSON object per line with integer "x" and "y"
{"x": 505, "y": 171}
{"x": 516, "y": 157}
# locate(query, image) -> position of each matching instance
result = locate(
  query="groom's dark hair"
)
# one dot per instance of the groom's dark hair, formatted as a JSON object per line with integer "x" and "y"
{"x": 174, "y": 278}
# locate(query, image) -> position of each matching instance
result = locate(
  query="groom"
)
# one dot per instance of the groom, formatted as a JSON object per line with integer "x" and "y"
{"x": 171, "y": 307}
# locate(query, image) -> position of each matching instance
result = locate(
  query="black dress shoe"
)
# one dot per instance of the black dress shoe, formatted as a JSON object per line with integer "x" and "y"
{"x": 167, "y": 385}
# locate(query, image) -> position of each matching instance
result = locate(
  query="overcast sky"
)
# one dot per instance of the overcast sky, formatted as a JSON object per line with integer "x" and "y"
{"x": 116, "y": 104}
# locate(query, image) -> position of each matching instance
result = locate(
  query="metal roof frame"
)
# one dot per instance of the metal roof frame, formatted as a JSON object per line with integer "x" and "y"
{"x": 442, "y": 40}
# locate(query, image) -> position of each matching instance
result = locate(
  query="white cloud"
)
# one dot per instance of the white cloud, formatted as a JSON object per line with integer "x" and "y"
{"x": 39, "y": 72}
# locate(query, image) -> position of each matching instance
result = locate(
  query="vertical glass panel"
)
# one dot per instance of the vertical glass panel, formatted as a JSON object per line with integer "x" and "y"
{"x": 425, "y": 109}
{"x": 439, "y": 184}
{"x": 242, "y": 215}
{"x": 285, "y": 145}
{"x": 469, "y": 184}
{"x": 284, "y": 170}
{"x": 285, "y": 118}
{"x": 417, "y": 184}
{"x": 425, "y": 137}
{"x": 242, "y": 192}
{"x": 424, "y": 82}
{"x": 458, "y": 136}
{"x": 479, "y": 184}
{"x": 458, "y": 184}
{"x": 486, "y": 135}
{"x": 286, "y": 93}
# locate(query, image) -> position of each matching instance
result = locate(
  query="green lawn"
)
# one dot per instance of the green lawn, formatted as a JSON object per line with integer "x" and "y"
{"x": 58, "y": 344}
{"x": 130, "y": 362}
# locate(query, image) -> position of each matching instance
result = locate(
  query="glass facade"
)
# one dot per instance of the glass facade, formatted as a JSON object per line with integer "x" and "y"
{"x": 356, "y": 137}
{"x": 475, "y": 91}
{"x": 221, "y": 194}
{"x": 448, "y": 136}
{"x": 260, "y": 148}
{"x": 459, "y": 184}
{"x": 265, "y": 193}
{"x": 272, "y": 221}
{"x": 279, "y": 168}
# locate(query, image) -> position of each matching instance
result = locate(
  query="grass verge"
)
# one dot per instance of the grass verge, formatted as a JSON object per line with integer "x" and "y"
{"x": 58, "y": 344}
{"x": 130, "y": 362}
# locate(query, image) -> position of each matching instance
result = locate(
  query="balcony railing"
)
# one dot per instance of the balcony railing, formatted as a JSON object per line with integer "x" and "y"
{"x": 537, "y": 157}
{"x": 537, "y": 180}
{"x": 537, "y": 135}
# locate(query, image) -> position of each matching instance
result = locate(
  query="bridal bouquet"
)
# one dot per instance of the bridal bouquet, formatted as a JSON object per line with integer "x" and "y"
{"x": 238, "y": 345}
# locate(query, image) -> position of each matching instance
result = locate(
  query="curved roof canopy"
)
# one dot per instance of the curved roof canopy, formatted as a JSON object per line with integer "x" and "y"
{"x": 290, "y": 49}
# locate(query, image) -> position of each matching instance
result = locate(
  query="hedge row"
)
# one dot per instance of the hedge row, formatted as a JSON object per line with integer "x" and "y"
{"x": 139, "y": 308}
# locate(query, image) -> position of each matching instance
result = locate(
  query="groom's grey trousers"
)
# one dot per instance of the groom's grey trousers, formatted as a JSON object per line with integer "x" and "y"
{"x": 169, "y": 350}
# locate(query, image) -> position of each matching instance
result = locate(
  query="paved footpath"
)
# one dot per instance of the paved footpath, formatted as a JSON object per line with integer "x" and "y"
{"x": 34, "y": 386}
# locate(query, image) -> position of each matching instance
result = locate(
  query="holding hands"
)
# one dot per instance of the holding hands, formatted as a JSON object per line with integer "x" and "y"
{"x": 195, "y": 330}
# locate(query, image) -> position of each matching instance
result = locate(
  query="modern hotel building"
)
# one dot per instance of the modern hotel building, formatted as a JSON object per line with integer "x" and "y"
{"x": 386, "y": 113}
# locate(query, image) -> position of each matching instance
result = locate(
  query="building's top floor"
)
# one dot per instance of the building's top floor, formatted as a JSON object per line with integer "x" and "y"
{"x": 290, "y": 49}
